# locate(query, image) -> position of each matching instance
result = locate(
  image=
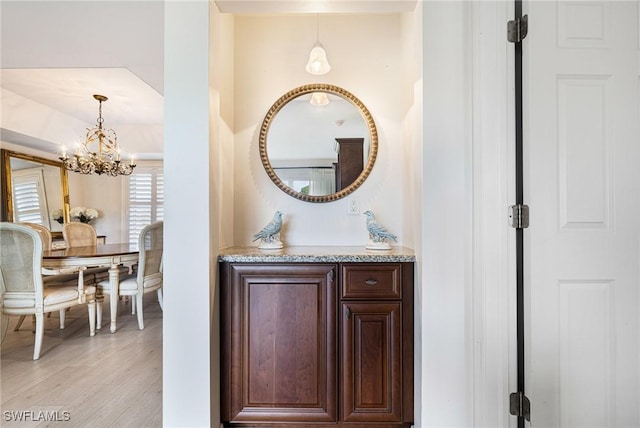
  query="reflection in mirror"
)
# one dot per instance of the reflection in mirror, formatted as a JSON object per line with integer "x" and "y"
{"x": 35, "y": 190}
{"x": 318, "y": 152}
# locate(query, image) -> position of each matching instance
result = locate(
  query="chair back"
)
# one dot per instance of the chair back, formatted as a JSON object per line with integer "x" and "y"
{"x": 45, "y": 234}
{"x": 20, "y": 263}
{"x": 150, "y": 245}
{"x": 77, "y": 234}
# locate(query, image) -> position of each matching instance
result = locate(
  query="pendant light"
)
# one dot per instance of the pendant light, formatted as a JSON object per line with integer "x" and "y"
{"x": 318, "y": 63}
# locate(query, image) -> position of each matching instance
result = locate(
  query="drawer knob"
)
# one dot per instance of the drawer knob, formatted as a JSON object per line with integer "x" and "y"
{"x": 371, "y": 281}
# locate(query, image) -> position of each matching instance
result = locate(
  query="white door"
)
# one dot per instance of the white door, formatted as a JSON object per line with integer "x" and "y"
{"x": 582, "y": 182}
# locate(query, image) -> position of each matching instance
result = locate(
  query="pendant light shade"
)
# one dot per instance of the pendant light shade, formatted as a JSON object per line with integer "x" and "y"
{"x": 318, "y": 63}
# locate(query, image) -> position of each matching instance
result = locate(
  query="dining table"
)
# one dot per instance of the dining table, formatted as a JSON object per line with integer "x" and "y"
{"x": 108, "y": 255}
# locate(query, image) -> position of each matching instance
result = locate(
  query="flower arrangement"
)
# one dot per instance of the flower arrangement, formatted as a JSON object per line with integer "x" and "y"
{"x": 58, "y": 216}
{"x": 85, "y": 215}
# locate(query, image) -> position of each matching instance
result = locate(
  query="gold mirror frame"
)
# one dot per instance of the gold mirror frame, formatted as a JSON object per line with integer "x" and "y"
{"x": 295, "y": 93}
{"x": 7, "y": 191}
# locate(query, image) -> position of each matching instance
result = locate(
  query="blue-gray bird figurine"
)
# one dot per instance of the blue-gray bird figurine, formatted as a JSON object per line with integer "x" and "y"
{"x": 270, "y": 232}
{"x": 378, "y": 234}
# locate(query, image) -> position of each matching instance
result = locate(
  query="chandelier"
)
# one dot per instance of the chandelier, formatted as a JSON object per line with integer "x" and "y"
{"x": 99, "y": 153}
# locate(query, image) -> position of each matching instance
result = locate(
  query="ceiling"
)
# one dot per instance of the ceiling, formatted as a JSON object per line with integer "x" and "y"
{"x": 70, "y": 91}
{"x": 58, "y": 55}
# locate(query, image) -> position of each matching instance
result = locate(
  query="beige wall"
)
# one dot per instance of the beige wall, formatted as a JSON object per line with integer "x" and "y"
{"x": 105, "y": 194}
{"x": 365, "y": 52}
{"x": 223, "y": 120}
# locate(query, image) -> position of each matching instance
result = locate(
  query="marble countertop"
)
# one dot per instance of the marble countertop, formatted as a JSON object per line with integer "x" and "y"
{"x": 316, "y": 254}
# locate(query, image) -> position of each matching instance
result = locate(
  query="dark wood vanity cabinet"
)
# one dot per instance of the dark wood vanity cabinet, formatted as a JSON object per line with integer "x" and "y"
{"x": 278, "y": 343}
{"x": 376, "y": 352}
{"x": 317, "y": 344}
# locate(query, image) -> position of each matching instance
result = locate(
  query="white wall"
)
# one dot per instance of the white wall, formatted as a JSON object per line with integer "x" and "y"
{"x": 190, "y": 233}
{"x": 465, "y": 260}
{"x": 365, "y": 53}
{"x": 493, "y": 264}
{"x": 413, "y": 210}
{"x": 446, "y": 197}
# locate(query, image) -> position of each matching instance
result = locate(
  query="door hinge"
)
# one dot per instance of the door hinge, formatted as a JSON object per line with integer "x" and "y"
{"x": 519, "y": 405}
{"x": 517, "y": 29}
{"x": 519, "y": 216}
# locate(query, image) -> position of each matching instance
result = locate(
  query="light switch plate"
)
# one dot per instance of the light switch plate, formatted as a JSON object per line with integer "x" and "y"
{"x": 353, "y": 207}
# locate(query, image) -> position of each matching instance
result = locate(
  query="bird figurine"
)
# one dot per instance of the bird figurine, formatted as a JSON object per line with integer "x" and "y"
{"x": 270, "y": 234}
{"x": 378, "y": 235}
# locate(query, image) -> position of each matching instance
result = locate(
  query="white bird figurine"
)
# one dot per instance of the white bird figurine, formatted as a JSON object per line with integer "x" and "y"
{"x": 378, "y": 234}
{"x": 269, "y": 233}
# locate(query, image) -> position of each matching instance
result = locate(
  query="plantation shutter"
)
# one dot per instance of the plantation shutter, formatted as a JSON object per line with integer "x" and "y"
{"x": 146, "y": 200}
{"x": 29, "y": 199}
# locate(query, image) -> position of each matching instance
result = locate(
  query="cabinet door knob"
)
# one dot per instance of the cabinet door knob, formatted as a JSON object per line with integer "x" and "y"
{"x": 347, "y": 313}
{"x": 371, "y": 281}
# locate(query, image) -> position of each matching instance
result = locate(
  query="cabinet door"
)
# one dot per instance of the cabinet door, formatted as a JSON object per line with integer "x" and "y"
{"x": 282, "y": 344}
{"x": 371, "y": 362}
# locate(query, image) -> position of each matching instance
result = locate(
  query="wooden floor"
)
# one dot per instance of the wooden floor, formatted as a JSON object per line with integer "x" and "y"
{"x": 109, "y": 380}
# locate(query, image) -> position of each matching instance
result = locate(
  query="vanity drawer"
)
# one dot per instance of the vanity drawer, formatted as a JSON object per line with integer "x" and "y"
{"x": 371, "y": 281}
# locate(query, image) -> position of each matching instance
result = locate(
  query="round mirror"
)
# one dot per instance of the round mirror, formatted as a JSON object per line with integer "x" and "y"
{"x": 318, "y": 143}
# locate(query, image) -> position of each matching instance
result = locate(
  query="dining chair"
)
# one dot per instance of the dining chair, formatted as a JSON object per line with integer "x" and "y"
{"x": 54, "y": 276}
{"x": 22, "y": 291}
{"x": 148, "y": 277}
{"x": 45, "y": 234}
{"x": 77, "y": 234}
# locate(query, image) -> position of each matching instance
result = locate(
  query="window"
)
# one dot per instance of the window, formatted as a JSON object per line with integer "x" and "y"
{"x": 146, "y": 199}
{"x": 309, "y": 180}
